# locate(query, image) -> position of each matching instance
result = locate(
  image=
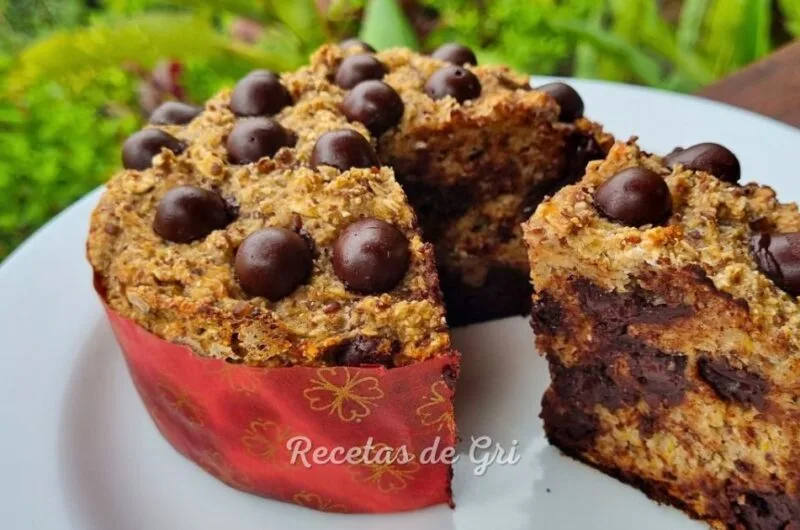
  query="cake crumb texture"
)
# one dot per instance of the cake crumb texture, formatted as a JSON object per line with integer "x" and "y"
{"x": 673, "y": 355}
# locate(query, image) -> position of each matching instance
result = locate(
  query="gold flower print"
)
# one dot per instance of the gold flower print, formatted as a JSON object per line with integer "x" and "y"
{"x": 437, "y": 411}
{"x": 386, "y": 476}
{"x": 312, "y": 500}
{"x": 267, "y": 441}
{"x": 238, "y": 378}
{"x": 181, "y": 403}
{"x": 343, "y": 392}
{"x": 216, "y": 464}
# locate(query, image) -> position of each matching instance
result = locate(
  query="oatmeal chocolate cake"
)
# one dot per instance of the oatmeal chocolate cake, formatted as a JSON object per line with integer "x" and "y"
{"x": 667, "y": 306}
{"x": 270, "y": 229}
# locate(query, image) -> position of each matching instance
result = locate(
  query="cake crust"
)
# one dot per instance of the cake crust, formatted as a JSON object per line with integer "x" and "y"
{"x": 673, "y": 356}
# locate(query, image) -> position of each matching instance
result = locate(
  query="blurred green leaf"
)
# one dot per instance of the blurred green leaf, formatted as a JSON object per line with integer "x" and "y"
{"x": 300, "y": 16}
{"x": 385, "y": 25}
{"x": 660, "y": 37}
{"x": 791, "y": 10}
{"x": 252, "y": 8}
{"x": 625, "y": 18}
{"x": 690, "y": 23}
{"x": 68, "y": 56}
{"x": 586, "y": 56}
{"x": 754, "y": 37}
{"x": 643, "y": 67}
{"x": 720, "y": 28}
{"x": 55, "y": 149}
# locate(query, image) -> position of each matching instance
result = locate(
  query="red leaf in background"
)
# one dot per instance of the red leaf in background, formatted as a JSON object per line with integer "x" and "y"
{"x": 424, "y": 19}
{"x": 162, "y": 84}
{"x": 166, "y": 78}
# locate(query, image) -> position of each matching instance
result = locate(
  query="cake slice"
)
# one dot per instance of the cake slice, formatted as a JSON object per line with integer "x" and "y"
{"x": 667, "y": 306}
{"x": 475, "y": 149}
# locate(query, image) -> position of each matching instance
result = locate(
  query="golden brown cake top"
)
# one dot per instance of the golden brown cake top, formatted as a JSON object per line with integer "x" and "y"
{"x": 190, "y": 293}
{"x": 446, "y": 139}
{"x": 711, "y": 224}
{"x": 250, "y": 151}
{"x": 407, "y": 72}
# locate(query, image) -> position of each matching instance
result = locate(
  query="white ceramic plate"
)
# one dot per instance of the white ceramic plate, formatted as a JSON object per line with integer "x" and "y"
{"x": 78, "y": 451}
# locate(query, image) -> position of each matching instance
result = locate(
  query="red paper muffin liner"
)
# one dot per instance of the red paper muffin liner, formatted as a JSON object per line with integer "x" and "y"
{"x": 234, "y": 421}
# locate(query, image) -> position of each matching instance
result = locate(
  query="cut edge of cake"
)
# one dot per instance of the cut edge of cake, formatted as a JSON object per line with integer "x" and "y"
{"x": 672, "y": 352}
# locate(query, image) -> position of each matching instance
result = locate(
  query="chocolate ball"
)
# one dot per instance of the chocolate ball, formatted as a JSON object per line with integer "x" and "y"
{"x": 778, "y": 257}
{"x": 453, "y": 81}
{"x": 356, "y": 43}
{"x": 174, "y": 113}
{"x": 709, "y": 157}
{"x": 358, "y": 68}
{"x": 455, "y": 53}
{"x": 188, "y": 213}
{"x": 635, "y": 196}
{"x": 259, "y": 93}
{"x": 363, "y": 351}
{"x": 371, "y": 256}
{"x": 567, "y": 98}
{"x": 254, "y": 138}
{"x": 272, "y": 262}
{"x": 343, "y": 149}
{"x": 375, "y": 104}
{"x": 140, "y": 148}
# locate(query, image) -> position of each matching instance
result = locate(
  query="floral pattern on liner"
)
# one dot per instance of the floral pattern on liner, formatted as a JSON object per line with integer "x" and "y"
{"x": 437, "y": 410}
{"x": 268, "y": 440}
{"x": 235, "y": 421}
{"x": 312, "y": 500}
{"x": 343, "y": 392}
{"x": 387, "y": 475}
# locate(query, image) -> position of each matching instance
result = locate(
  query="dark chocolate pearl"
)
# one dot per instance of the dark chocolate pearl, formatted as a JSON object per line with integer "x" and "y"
{"x": 174, "y": 113}
{"x": 362, "y": 351}
{"x": 259, "y": 93}
{"x": 353, "y": 43}
{"x": 272, "y": 262}
{"x": 358, "y": 68}
{"x": 189, "y": 213}
{"x": 254, "y": 138}
{"x": 635, "y": 196}
{"x": 375, "y": 104}
{"x": 567, "y": 98}
{"x": 778, "y": 256}
{"x": 343, "y": 149}
{"x": 371, "y": 256}
{"x": 140, "y": 147}
{"x": 709, "y": 157}
{"x": 579, "y": 150}
{"x": 455, "y": 53}
{"x": 453, "y": 81}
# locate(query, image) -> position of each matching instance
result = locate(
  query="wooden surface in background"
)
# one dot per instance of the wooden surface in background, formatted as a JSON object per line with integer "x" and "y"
{"x": 770, "y": 87}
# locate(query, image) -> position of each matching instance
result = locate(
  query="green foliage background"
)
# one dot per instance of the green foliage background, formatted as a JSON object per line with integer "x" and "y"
{"x": 69, "y": 69}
